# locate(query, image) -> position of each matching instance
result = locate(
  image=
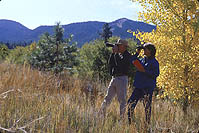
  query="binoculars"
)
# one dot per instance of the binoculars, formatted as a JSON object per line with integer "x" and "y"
{"x": 110, "y": 44}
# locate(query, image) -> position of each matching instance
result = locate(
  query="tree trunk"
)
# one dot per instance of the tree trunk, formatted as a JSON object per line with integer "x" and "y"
{"x": 57, "y": 54}
{"x": 185, "y": 99}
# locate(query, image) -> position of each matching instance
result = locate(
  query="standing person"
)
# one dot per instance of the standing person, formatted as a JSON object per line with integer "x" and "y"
{"x": 119, "y": 65}
{"x": 144, "y": 82}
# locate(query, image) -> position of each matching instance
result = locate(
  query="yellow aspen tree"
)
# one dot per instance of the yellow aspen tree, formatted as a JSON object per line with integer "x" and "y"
{"x": 177, "y": 40}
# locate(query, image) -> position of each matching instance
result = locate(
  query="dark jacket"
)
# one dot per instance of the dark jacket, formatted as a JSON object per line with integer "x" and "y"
{"x": 147, "y": 79}
{"x": 119, "y": 63}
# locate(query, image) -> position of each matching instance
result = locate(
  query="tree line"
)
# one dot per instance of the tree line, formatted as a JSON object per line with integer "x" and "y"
{"x": 57, "y": 54}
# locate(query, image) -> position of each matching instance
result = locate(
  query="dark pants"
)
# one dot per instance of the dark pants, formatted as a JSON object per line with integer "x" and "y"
{"x": 140, "y": 94}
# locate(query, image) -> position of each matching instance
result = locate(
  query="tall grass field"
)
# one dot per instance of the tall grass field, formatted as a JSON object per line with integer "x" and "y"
{"x": 33, "y": 101}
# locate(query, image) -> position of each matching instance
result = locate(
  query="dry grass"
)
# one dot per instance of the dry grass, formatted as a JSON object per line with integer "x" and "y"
{"x": 31, "y": 101}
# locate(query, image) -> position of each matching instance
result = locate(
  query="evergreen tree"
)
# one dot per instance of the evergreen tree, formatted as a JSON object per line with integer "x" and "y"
{"x": 53, "y": 53}
{"x": 106, "y": 32}
{"x": 59, "y": 32}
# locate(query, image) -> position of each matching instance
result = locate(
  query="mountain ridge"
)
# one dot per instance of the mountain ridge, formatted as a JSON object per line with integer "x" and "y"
{"x": 12, "y": 31}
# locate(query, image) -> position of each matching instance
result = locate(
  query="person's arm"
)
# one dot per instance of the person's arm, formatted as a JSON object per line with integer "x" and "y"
{"x": 134, "y": 57}
{"x": 112, "y": 60}
{"x": 138, "y": 65}
{"x": 136, "y": 62}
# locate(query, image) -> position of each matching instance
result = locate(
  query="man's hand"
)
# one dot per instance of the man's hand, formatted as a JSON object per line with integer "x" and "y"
{"x": 115, "y": 49}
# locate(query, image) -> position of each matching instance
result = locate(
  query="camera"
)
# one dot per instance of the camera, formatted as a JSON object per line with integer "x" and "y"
{"x": 109, "y": 44}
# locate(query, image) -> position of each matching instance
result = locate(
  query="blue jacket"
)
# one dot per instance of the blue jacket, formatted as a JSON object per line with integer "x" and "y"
{"x": 146, "y": 79}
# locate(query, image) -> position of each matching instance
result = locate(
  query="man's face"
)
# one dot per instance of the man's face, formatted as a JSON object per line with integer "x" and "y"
{"x": 121, "y": 48}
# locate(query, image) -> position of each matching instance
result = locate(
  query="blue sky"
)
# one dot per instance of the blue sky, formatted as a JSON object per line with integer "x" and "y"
{"x": 33, "y": 13}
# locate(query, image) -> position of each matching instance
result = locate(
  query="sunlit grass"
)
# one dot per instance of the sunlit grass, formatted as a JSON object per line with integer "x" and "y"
{"x": 32, "y": 101}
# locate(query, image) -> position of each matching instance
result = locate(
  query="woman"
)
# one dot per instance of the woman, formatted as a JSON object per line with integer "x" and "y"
{"x": 145, "y": 80}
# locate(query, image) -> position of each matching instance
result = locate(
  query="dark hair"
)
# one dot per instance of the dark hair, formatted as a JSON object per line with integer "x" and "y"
{"x": 151, "y": 48}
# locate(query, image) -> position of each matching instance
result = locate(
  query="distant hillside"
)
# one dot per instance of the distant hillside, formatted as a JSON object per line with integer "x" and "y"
{"x": 11, "y": 31}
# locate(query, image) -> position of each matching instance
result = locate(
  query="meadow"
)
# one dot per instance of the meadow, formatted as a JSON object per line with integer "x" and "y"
{"x": 33, "y": 101}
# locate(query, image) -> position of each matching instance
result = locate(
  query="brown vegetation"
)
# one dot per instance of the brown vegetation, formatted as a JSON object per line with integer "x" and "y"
{"x": 32, "y": 101}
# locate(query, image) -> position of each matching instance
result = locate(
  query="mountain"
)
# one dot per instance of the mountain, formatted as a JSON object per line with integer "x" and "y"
{"x": 11, "y": 31}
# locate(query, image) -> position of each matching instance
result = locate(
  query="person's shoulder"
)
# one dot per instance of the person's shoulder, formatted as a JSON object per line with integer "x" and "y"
{"x": 152, "y": 60}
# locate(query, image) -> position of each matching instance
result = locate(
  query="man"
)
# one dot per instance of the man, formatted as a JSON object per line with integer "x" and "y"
{"x": 119, "y": 64}
{"x": 144, "y": 82}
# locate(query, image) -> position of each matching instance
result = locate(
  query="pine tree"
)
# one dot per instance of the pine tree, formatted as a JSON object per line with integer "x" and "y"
{"x": 106, "y": 32}
{"x": 58, "y": 37}
{"x": 53, "y": 53}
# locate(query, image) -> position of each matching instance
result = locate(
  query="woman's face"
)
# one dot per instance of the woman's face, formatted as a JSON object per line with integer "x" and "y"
{"x": 147, "y": 52}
